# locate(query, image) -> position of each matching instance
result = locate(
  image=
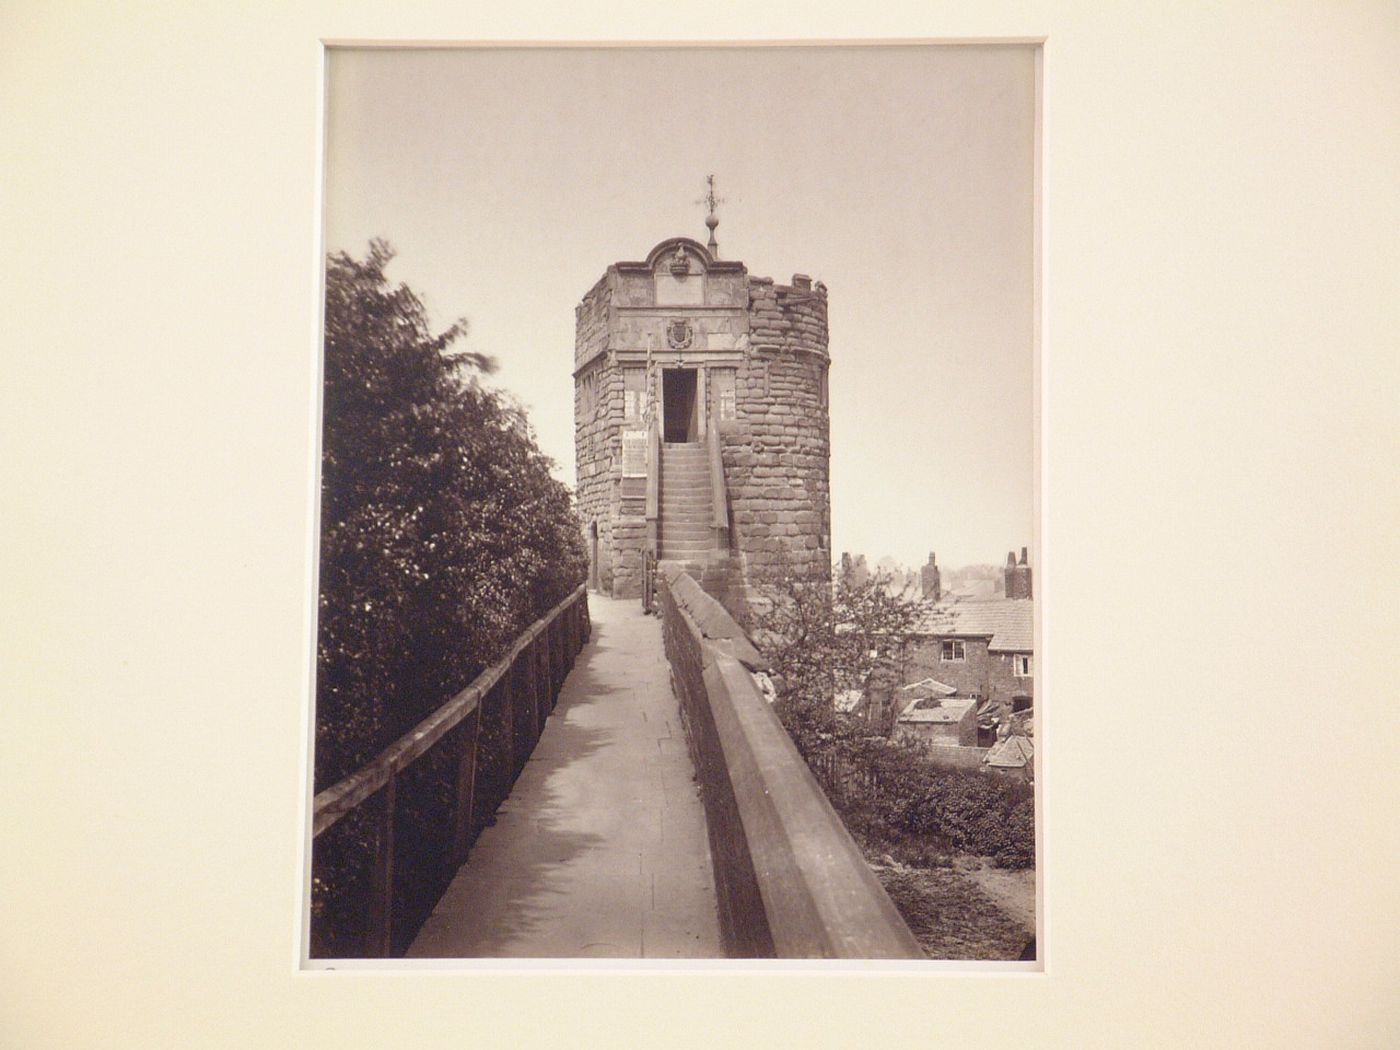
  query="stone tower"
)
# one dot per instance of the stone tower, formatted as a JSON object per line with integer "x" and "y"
{"x": 700, "y": 422}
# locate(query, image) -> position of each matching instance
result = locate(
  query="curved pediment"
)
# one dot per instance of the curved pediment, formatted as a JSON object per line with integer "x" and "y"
{"x": 672, "y": 252}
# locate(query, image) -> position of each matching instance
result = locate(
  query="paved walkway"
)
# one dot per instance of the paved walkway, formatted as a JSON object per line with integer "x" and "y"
{"x": 600, "y": 851}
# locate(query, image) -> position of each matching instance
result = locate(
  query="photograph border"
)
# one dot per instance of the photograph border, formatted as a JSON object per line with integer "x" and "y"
{"x": 1218, "y": 244}
{"x": 304, "y": 962}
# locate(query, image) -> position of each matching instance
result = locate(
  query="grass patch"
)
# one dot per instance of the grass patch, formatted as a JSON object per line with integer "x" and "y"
{"x": 948, "y": 915}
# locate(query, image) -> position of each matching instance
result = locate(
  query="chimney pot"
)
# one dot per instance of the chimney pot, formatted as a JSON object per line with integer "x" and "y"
{"x": 1023, "y": 555}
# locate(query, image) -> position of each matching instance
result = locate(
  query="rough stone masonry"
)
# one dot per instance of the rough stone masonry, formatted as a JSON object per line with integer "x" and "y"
{"x": 700, "y": 350}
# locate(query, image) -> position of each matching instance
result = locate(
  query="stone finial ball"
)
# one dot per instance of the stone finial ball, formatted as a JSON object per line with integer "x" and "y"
{"x": 712, "y": 221}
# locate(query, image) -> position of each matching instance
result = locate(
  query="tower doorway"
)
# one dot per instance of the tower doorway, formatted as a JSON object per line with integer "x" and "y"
{"x": 680, "y": 408}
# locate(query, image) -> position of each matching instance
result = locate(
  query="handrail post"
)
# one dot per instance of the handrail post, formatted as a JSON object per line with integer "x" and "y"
{"x": 526, "y": 675}
{"x": 719, "y": 498}
{"x": 653, "y": 484}
{"x": 465, "y": 803}
{"x": 544, "y": 702}
{"x": 381, "y": 895}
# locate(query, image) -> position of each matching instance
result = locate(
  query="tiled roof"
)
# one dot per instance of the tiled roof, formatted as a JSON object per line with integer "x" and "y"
{"x": 940, "y": 711}
{"x": 1012, "y": 753}
{"x": 926, "y": 687}
{"x": 1006, "y": 621}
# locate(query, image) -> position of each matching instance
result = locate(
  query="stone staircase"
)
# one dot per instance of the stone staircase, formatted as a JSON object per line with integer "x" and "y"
{"x": 686, "y": 535}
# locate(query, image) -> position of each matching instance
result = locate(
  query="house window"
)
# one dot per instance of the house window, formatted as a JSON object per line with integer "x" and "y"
{"x": 953, "y": 650}
{"x": 634, "y": 392}
{"x": 1021, "y": 665}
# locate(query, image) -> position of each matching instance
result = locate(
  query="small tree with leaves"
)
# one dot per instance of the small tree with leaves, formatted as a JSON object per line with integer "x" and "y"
{"x": 825, "y": 638}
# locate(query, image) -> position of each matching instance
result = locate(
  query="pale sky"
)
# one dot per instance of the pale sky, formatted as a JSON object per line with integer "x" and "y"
{"x": 509, "y": 179}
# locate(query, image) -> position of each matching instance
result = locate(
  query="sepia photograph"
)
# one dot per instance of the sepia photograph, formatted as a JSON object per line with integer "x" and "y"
{"x": 677, "y": 503}
{"x": 692, "y": 525}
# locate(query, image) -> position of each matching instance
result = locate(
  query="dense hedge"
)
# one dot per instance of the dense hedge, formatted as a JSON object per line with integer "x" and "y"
{"x": 443, "y": 535}
{"x": 890, "y": 792}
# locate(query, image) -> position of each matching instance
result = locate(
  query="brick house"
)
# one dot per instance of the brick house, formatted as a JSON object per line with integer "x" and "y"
{"x": 982, "y": 648}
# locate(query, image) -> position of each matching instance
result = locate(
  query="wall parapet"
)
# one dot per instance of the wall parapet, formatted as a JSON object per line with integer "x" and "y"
{"x": 791, "y": 882}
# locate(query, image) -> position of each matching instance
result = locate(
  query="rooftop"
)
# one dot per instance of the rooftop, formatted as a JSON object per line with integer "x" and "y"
{"x": 926, "y": 687}
{"x": 1014, "y": 752}
{"x": 1007, "y": 622}
{"x": 938, "y": 711}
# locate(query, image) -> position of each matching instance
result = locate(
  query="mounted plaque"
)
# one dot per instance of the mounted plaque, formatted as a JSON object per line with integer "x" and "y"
{"x": 634, "y": 453}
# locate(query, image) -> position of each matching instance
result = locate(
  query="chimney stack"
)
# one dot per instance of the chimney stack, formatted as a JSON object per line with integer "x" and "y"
{"x": 931, "y": 579}
{"x": 1018, "y": 575}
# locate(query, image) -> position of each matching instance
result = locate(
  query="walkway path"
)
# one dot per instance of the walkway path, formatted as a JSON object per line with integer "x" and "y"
{"x": 600, "y": 850}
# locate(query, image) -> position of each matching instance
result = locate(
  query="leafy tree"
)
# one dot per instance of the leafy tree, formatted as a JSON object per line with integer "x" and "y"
{"x": 443, "y": 535}
{"x": 823, "y": 638}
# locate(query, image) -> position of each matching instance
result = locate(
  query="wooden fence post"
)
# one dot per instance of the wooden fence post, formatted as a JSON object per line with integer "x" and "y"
{"x": 381, "y": 896}
{"x": 464, "y": 811}
{"x": 555, "y": 651}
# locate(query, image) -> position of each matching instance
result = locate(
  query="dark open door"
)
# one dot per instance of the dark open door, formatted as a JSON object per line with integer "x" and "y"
{"x": 680, "y": 407}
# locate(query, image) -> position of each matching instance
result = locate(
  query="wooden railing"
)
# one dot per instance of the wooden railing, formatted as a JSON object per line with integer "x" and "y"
{"x": 653, "y": 485}
{"x": 719, "y": 498}
{"x": 465, "y": 755}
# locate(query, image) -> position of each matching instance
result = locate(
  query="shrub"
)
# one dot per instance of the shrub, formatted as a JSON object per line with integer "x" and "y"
{"x": 891, "y": 795}
{"x": 443, "y": 535}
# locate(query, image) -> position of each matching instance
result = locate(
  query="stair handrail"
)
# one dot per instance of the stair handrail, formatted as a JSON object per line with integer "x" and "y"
{"x": 653, "y": 483}
{"x": 719, "y": 498}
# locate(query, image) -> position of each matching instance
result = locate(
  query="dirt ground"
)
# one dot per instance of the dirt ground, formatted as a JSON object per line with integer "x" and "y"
{"x": 967, "y": 911}
{"x": 1012, "y": 891}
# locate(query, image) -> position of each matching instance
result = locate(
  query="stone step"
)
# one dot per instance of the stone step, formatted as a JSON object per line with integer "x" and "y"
{"x": 685, "y": 548}
{"x": 686, "y": 500}
{"x": 669, "y": 513}
{"x": 696, "y": 569}
{"x": 698, "y": 477}
{"x": 672, "y": 531}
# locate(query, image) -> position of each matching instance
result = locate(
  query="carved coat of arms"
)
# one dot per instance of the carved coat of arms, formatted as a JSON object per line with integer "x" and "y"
{"x": 679, "y": 334}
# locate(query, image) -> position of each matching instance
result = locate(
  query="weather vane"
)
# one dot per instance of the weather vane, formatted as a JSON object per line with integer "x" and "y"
{"x": 711, "y": 203}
